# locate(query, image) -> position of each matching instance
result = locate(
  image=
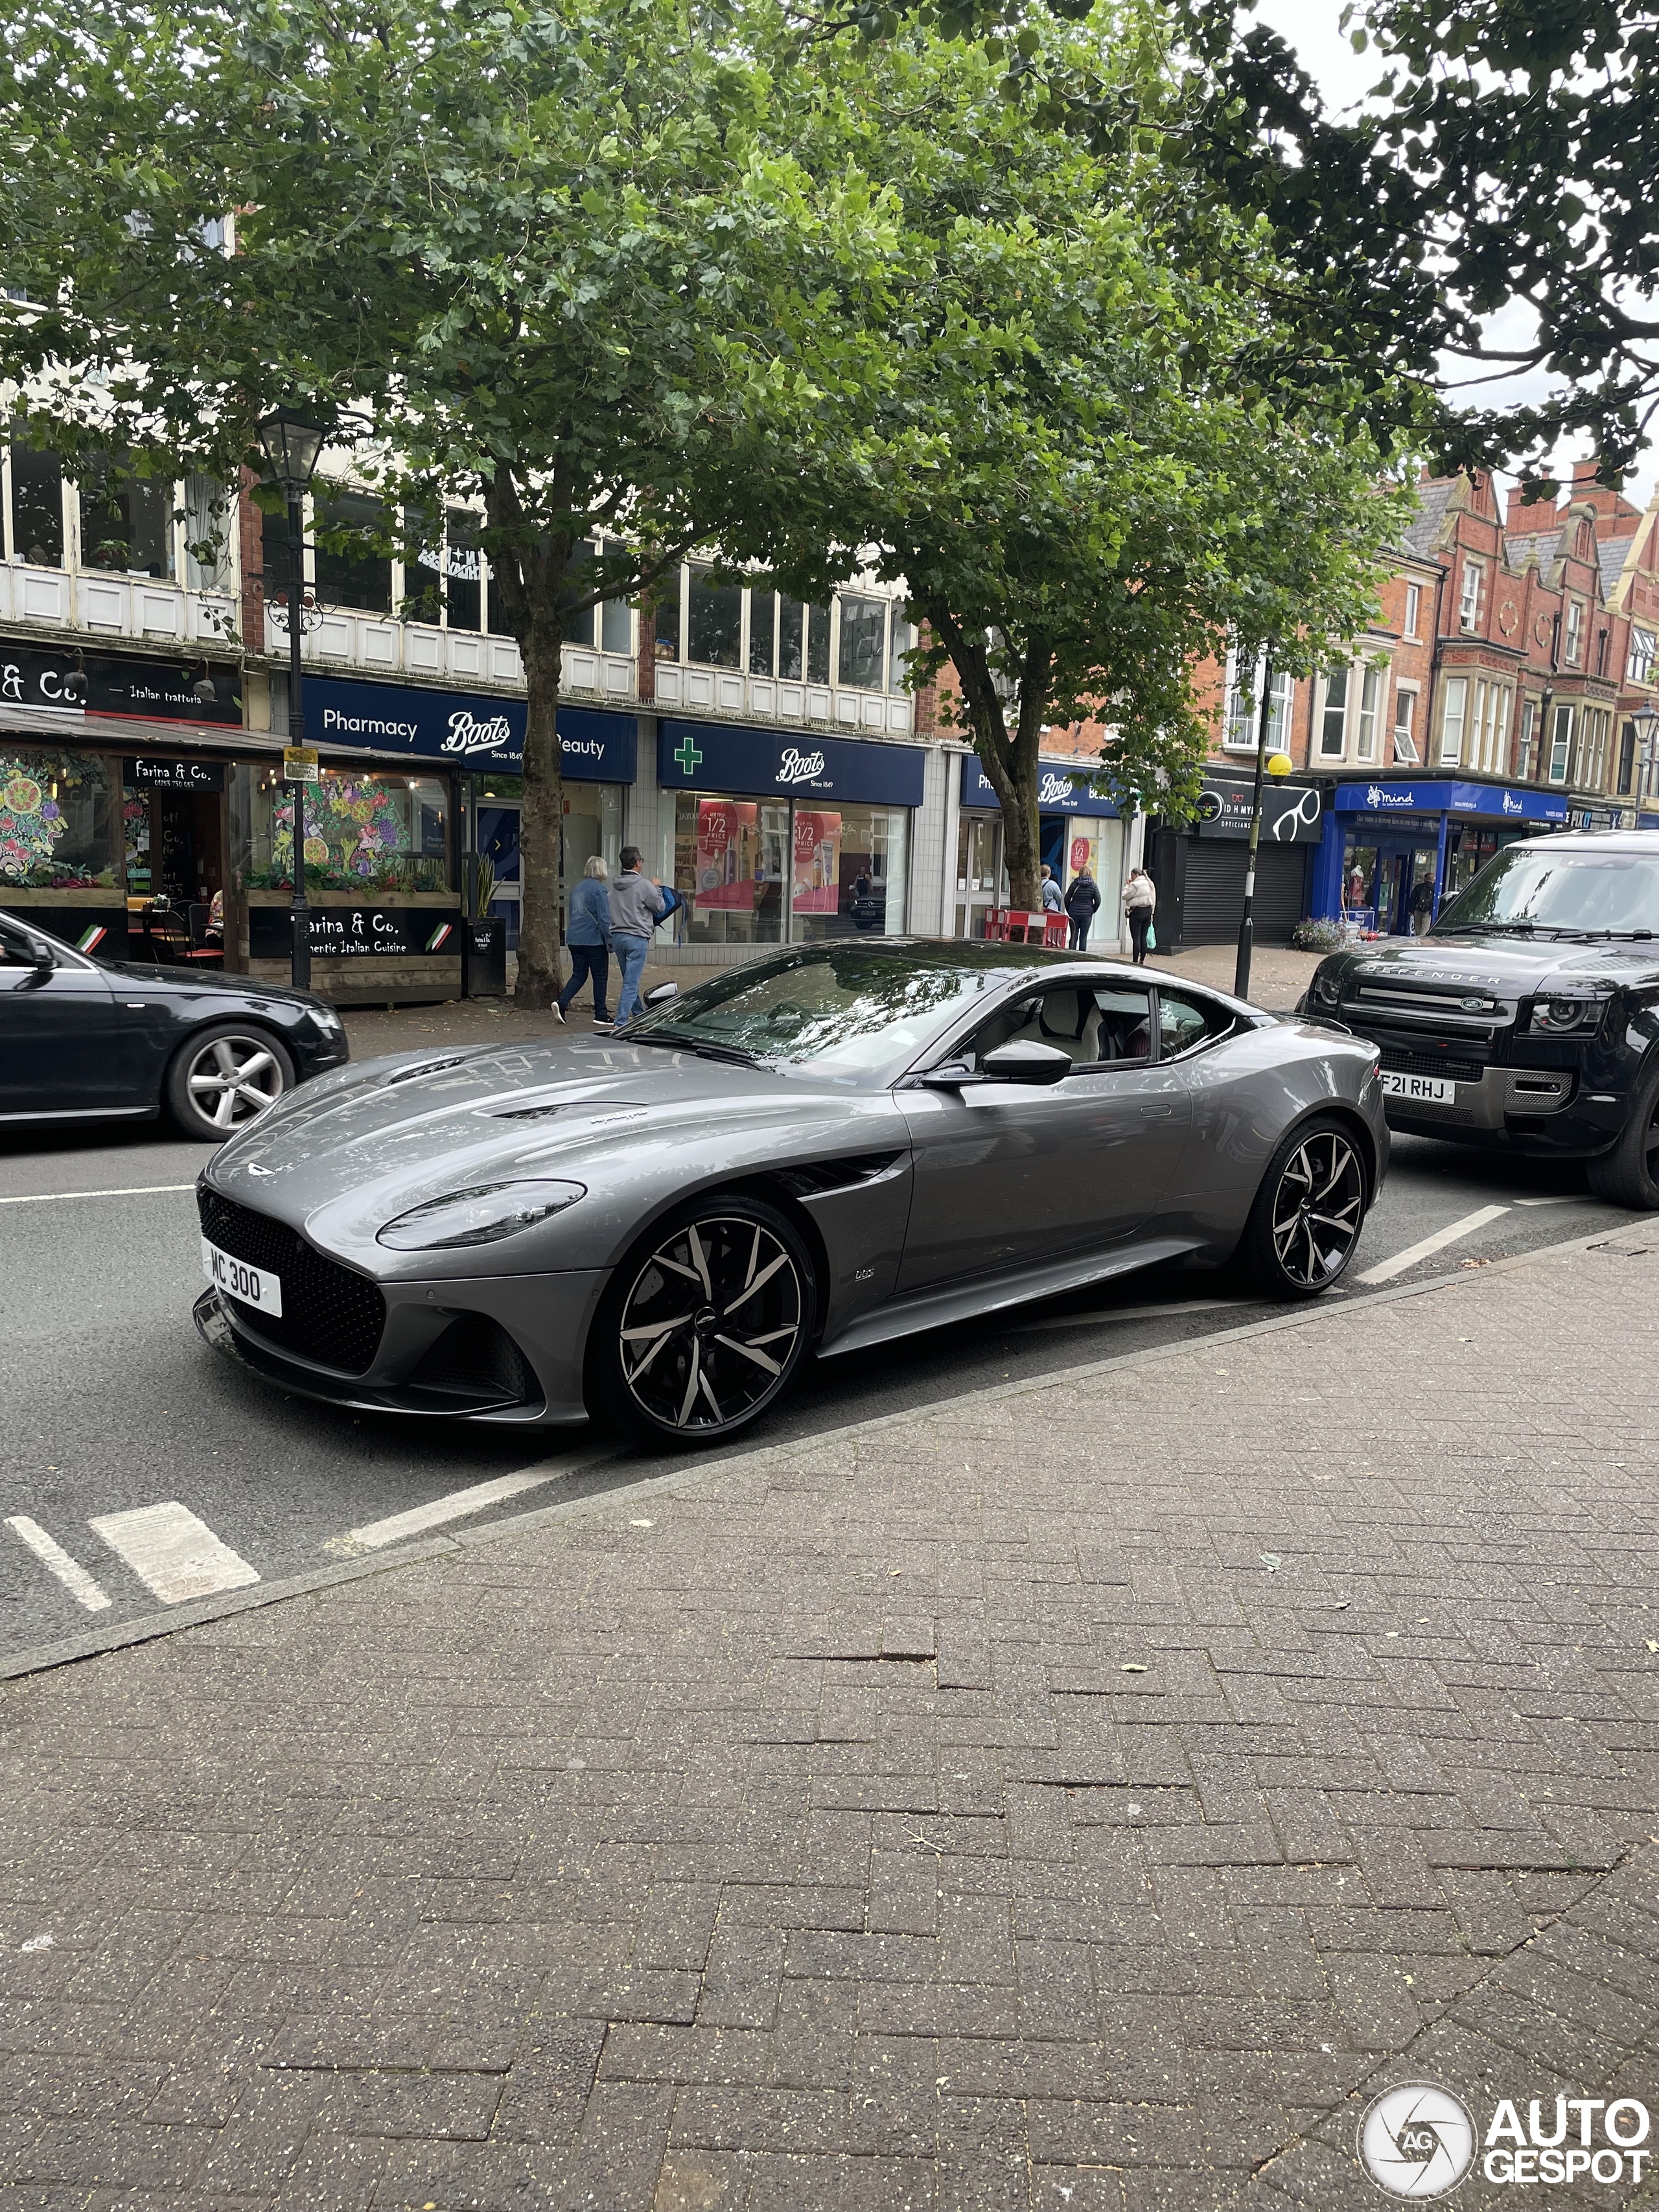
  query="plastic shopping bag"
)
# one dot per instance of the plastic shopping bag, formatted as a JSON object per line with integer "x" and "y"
{"x": 1151, "y": 938}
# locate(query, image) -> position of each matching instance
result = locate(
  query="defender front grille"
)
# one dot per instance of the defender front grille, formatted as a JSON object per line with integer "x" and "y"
{"x": 1398, "y": 1061}
{"x": 330, "y": 1314}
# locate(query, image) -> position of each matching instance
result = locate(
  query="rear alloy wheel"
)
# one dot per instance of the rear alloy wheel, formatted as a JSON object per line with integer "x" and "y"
{"x": 225, "y": 1077}
{"x": 1308, "y": 1213}
{"x": 708, "y": 1318}
{"x": 1628, "y": 1175}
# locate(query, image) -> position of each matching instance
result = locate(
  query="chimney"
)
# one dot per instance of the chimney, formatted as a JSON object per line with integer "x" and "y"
{"x": 1610, "y": 505}
{"x": 1523, "y": 520}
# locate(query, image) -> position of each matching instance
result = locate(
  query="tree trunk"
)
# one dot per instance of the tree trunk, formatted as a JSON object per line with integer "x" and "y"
{"x": 541, "y": 826}
{"x": 1008, "y": 757}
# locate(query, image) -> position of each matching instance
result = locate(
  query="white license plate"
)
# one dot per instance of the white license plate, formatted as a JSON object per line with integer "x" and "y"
{"x": 1436, "y": 1088}
{"x": 251, "y": 1286}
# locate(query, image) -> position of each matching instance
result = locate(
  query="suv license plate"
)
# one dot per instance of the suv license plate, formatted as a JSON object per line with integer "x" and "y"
{"x": 1436, "y": 1088}
{"x": 250, "y": 1286}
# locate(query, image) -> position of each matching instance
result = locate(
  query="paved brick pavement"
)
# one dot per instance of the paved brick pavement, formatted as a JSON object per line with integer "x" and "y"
{"x": 1085, "y": 1797}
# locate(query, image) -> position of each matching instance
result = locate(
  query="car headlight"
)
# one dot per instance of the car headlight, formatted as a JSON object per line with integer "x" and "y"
{"x": 1558, "y": 1017}
{"x": 1326, "y": 990}
{"x": 478, "y": 1216}
{"x": 327, "y": 1019}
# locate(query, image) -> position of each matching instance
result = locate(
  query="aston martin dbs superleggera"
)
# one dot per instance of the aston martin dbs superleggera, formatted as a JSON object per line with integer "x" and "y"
{"x": 830, "y": 1147}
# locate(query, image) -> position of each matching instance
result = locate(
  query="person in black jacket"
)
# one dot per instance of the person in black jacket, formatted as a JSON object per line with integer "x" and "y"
{"x": 1082, "y": 904}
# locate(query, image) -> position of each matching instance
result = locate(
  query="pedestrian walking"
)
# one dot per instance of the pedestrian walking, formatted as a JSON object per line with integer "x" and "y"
{"x": 1052, "y": 901}
{"x": 637, "y": 905}
{"x": 1082, "y": 905}
{"x": 588, "y": 936}
{"x": 1140, "y": 905}
{"x": 1422, "y": 905}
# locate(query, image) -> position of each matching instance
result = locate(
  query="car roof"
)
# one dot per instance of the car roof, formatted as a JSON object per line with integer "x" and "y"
{"x": 1613, "y": 841}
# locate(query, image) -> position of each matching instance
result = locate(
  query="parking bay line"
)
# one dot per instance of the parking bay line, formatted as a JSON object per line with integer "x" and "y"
{"x": 52, "y": 1556}
{"x": 173, "y": 1552}
{"x": 1386, "y": 1269}
{"x": 458, "y": 1504}
{"x": 131, "y": 1190}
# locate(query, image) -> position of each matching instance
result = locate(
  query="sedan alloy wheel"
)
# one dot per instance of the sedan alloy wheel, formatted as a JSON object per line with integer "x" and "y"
{"x": 221, "y": 1080}
{"x": 712, "y": 1323}
{"x": 1319, "y": 1209}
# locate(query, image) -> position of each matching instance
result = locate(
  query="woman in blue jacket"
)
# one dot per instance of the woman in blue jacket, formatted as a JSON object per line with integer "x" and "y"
{"x": 588, "y": 939}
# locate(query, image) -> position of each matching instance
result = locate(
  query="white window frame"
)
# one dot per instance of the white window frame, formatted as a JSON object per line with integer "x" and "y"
{"x": 1405, "y": 697}
{"x": 1530, "y": 711}
{"x": 1468, "y": 608}
{"x": 1451, "y": 746}
{"x": 1242, "y": 710}
{"x": 1561, "y": 741}
{"x": 1572, "y": 635}
{"x": 1644, "y": 649}
{"x": 1365, "y": 720}
{"x": 1325, "y": 749}
{"x": 1413, "y": 609}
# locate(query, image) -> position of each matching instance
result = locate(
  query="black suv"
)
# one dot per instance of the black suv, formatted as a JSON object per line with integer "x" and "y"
{"x": 1529, "y": 1014}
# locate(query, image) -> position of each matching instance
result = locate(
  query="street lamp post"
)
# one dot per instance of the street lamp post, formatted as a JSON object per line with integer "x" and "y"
{"x": 292, "y": 445}
{"x": 1278, "y": 765}
{"x": 1646, "y": 726}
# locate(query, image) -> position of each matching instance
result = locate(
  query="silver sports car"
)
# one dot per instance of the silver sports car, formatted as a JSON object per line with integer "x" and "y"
{"x": 824, "y": 1149}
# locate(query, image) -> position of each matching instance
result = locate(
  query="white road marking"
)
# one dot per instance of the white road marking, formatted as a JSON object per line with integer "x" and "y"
{"x": 1564, "y": 1199}
{"x": 457, "y": 1505}
{"x": 74, "y": 1576}
{"x": 130, "y": 1190}
{"x": 1105, "y": 1316}
{"x": 1386, "y": 1270}
{"x": 176, "y": 1555}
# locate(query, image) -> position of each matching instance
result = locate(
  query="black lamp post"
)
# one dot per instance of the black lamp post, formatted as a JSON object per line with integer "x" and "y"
{"x": 292, "y": 445}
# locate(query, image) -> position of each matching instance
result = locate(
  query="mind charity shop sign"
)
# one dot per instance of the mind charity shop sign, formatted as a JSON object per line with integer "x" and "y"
{"x": 1419, "y": 2141}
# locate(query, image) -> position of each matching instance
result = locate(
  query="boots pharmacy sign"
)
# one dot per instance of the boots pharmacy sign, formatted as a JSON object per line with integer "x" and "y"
{"x": 718, "y": 756}
{"x": 462, "y": 730}
{"x": 1063, "y": 787}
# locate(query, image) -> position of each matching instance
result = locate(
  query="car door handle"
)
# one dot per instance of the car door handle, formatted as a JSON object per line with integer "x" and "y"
{"x": 1156, "y": 1112}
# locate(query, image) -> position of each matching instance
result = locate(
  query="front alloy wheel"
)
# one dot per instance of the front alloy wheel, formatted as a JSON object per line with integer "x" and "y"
{"x": 1308, "y": 1213}
{"x": 712, "y": 1320}
{"x": 220, "y": 1082}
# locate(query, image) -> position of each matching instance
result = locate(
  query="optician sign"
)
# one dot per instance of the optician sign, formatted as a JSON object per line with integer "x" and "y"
{"x": 710, "y": 756}
{"x": 1291, "y": 814}
{"x": 461, "y": 730}
{"x": 1062, "y": 789}
{"x": 1482, "y": 798}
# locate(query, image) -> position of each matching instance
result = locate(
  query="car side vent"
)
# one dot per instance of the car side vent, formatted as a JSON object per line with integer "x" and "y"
{"x": 423, "y": 1067}
{"x": 823, "y": 1175}
{"x": 475, "y": 1364}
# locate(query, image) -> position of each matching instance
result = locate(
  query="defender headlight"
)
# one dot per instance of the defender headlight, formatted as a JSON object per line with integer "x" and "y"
{"x": 1558, "y": 1017}
{"x": 478, "y": 1216}
{"x": 1326, "y": 991}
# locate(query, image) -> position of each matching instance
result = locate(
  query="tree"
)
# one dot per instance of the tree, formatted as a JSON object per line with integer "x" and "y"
{"x": 1076, "y": 471}
{"x": 1505, "y": 160}
{"x": 560, "y": 260}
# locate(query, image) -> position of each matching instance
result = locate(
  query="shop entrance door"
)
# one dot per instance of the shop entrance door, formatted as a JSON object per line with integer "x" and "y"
{"x": 175, "y": 871}
{"x": 978, "y": 872}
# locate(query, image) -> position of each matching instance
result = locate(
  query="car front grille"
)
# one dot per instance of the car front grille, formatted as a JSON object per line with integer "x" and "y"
{"x": 1400, "y": 1061}
{"x": 329, "y": 1314}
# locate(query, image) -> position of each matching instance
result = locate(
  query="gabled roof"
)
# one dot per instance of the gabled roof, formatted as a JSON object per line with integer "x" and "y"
{"x": 1612, "y": 554}
{"x": 1542, "y": 548}
{"x": 1432, "y": 500}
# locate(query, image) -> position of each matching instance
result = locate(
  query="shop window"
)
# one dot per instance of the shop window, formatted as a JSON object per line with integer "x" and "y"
{"x": 1371, "y": 684}
{"x": 54, "y": 822}
{"x": 126, "y": 521}
{"x": 1560, "y": 744}
{"x": 666, "y": 597}
{"x": 1405, "y": 728}
{"x": 1334, "y": 715}
{"x": 1572, "y": 645}
{"x": 363, "y": 833}
{"x": 210, "y": 563}
{"x": 729, "y": 861}
{"x": 902, "y": 646}
{"x": 818, "y": 644}
{"x": 616, "y": 621}
{"x": 351, "y": 574}
{"x": 792, "y": 641}
{"x": 1453, "y": 715}
{"x": 849, "y": 872}
{"x": 423, "y": 568}
{"x": 37, "y": 505}
{"x": 714, "y": 621}
{"x": 863, "y": 636}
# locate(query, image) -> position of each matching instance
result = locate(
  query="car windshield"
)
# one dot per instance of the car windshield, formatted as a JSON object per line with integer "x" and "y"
{"x": 833, "y": 1009}
{"x": 1548, "y": 887}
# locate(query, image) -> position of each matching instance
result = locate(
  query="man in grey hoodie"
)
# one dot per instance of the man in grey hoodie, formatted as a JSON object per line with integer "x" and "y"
{"x": 636, "y": 907}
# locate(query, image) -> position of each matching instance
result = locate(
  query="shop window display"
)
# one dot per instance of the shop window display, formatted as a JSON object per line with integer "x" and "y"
{"x": 363, "y": 833}
{"x": 848, "y": 875}
{"x": 54, "y": 822}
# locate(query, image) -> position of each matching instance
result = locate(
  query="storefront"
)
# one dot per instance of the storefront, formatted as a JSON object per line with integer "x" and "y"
{"x": 773, "y": 838}
{"x": 1200, "y": 866}
{"x": 1078, "y": 828}
{"x": 1393, "y": 853}
{"x": 114, "y": 828}
{"x": 478, "y": 740}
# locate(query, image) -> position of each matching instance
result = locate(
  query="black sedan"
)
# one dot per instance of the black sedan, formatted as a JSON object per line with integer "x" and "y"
{"x": 83, "y": 1038}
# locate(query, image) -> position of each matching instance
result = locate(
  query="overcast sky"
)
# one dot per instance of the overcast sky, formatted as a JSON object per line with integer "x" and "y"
{"x": 1310, "y": 25}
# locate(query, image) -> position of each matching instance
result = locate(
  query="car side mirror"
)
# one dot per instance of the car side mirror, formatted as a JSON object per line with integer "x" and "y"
{"x": 1026, "y": 1062}
{"x": 662, "y": 994}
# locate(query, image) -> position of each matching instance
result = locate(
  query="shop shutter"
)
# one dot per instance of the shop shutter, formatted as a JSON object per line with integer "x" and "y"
{"x": 1215, "y": 890}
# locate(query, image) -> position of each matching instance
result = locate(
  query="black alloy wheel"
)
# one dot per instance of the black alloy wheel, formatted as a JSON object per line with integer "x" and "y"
{"x": 1308, "y": 1213}
{"x": 712, "y": 1315}
{"x": 1629, "y": 1174}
